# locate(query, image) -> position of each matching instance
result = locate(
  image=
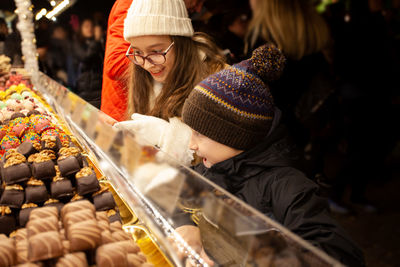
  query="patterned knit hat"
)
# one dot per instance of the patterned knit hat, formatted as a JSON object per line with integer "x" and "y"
{"x": 234, "y": 106}
{"x": 157, "y": 17}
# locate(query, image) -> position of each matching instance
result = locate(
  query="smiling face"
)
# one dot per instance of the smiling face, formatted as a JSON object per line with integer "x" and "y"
{"x": 211, "y": 151}
{"x": 145, "y": 45}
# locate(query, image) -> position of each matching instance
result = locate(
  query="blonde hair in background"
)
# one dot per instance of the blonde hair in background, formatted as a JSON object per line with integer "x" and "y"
{"x": 195, "y": 58}
{"x": 293, "y": 25}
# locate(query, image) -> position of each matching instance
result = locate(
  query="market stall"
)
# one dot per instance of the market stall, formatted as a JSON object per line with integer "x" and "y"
{"x": 77, "y": 190}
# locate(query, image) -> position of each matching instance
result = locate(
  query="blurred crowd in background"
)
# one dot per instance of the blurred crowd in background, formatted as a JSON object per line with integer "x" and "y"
{"x": 346, "y": 131}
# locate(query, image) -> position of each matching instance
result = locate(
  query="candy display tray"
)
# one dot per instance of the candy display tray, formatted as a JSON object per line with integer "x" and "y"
{"x": 139, "y": 232}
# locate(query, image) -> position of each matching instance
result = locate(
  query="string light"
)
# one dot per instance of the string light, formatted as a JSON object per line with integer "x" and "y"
{"x": 28, "y": 43}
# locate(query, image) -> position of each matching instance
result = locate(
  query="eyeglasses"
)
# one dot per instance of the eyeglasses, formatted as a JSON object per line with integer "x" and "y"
{"x": 157, "y": 58}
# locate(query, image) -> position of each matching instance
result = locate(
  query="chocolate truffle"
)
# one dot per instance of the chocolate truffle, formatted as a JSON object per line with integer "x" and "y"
{"x": 77, "y": 259}
{"x": 135, "y": 260}
{"x": 33, "y": 112}
{"x": 103, "y": 199}
{"x": 50, "y": 142}
{"x": 43, "y": 167}
{"x": 113, "y": 216}
{"x": 35, "y": 191}
{"x": 84, "y": 235}
{"x": 66, "y": 244}
{"x": 24, "y": 213}
{"x": 77, "y": 216}
{"x": 7, "y": 221}
{"x": 128, "y": 246}
{"x": 68, "y": 165}
{"x": 15, "y": 173}
{"x": 44, "y": 246}
{"x": 75, "y": 206}
{"x": 8, "y": 253}
{"x": 86, "y": 181}
{"x": 115, "y": 226}
{"x": 120, "y": 235}
{"x": 27, "y": 148}
{"x": 13, "y": 196}
{"x": 108, "y": 254}
{"x": 21, "y": 245}
{"x": 17, "y": 115}
{"x": 44, "y": 212}
{"x": 54, "y": 203}
{"x": 61, "y": 188}
{"x": 102, "y": 221}
{"x": 106, "y": 237}
{"x": 38, "y": 226}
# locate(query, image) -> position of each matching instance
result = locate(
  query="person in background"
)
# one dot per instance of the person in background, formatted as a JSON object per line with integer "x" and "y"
{"x": 88, "y": 62}
{"x": 3, "y": 34}
{"x": 305, "y": 93}
{"x": 114, "y": 97}
{"x": 228, "y": 26}
{"x": 58, "y": 52}
{"x": 12, "y": 45}
{"x": 236, "y": 129}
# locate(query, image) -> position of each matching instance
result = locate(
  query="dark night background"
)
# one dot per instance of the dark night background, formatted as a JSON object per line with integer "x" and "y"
{"x": 82, "y": 7}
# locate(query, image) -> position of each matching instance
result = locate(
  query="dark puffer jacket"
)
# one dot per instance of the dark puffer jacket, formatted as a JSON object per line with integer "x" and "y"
{"x": 263, "y": 178}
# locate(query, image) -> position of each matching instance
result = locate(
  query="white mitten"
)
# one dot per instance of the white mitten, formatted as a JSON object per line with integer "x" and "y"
{"x": 172, "y": 138}
{"x": 149, "y": 128}
{"x": 175, "y": 141}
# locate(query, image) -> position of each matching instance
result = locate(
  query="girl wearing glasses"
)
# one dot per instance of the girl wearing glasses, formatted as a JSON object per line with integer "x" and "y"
{"x": 168, "y": 60}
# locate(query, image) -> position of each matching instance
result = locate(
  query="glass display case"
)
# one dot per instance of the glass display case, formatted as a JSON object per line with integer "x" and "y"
{"x": 163, "y": 195}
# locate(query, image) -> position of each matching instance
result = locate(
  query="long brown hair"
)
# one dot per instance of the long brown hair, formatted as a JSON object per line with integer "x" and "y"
{"x": 293, "y": 25}
{"x": 195, "y": 59}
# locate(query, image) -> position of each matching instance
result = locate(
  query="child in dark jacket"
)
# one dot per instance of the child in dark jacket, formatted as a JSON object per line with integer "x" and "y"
{"x": 246, "y": 151}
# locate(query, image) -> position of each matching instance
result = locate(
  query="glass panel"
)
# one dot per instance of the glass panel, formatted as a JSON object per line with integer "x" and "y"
{"x": 163, "y": 194}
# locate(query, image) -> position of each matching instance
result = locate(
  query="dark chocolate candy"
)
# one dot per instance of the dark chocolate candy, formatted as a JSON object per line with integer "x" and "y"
{"x": 104, "y": 201}
{"x": 36, "y": 194}
{"x": 44, "y": 246}
{"x": 7, "y": 224}
{"x": 55, "y": 146}
{"x": 61, "y": 189}
{"x": 43, "y": 170}
{"x": 68, "y": 166}
{"x": 87, "y": 185}
{"x": 8, "y": 254}
{"x": 16, "y": 173}
{"x": 13, "y": 196}
{"x": 25, "y": 212}
{"x": 26, "y": 149}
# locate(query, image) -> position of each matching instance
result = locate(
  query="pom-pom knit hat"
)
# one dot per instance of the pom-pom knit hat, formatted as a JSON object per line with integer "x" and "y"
{"x": 157, "y": 17}
{"x": 234, "y": 106}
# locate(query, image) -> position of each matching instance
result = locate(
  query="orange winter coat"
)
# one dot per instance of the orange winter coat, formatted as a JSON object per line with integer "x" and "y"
{"x": 114, "y": 95}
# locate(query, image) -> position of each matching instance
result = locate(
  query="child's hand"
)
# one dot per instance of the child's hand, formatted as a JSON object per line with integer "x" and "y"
{"x": 149, "y": 128}
{"x": 191, "y": 234}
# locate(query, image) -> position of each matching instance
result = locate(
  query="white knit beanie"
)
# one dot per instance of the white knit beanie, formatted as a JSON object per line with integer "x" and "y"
{"x": 157, "y": 17}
